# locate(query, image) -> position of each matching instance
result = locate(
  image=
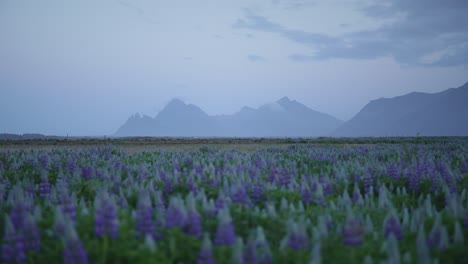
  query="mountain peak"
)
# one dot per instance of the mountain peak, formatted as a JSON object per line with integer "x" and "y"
{"x": 284, "y": 100}
{"x": 176, "y": 102}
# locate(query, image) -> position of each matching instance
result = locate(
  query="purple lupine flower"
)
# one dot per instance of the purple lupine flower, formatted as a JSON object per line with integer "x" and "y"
{"x": 71, "y": 165}
{"x": 250, "y": 252}
{"x": 357, "y": 197}
{"x": 105, "y": 217}
{"x": 297, "y": 238}
{"x": 31, "y": 234}
{"x": 353, "y": 233}
{"x": 60, "y": 223}
{"x": 144, "y": 215}
{"x": 225, "y": 234}
{"x": 87, "y": 172}
{"x": 437, "y": 237}
{"x": 176, "y": 215}
{"x": 193, "y": 225}
{"x": 74, "y": 252}
{"x": 205, "y": 256}
{"x": 18, "y": 214}
{"x": 44, "y": 187}
{"x": 465, "y": 220}
{"x": 434, "y": 237}
{"x": 263, "y": 250}
{"x": 68, "y": 205}
{"x": 392, "y": 226}
{"x": 220, "y": 202}
{"x": 44, "y": 160}
{"x": 306, "y": 195}
{"x": 168, "y": 186}
{"x": 257, "y": 193}
{"x": 239, "y": 195}
{"x": 14, "y": 246}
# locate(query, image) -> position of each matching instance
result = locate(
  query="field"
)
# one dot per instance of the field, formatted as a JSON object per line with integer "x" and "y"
{"x": 167, "y": 200}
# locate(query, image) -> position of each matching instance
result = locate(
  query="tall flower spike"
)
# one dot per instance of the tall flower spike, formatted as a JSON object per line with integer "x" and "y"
{"x": 297, "y": 238}
{"x": 44, "y": 187}
{"x": 144, "y": 215}
{"x": 176, "y": 215}
{"x": 465, "y": 220}
{"x": 238, "y": 252}
{"x": 263, "y": 249}
{"x": 353, "y": 233}
{"x": 74, "y": 252}
{"x": 225, "y": 234}
{"x": 13, "y": 248}
{"x": 392, "y": 226}
{"x": 250, "y": 252}
{"x": 193, "y": 224}
{"x": 31, "y": 234}
{"x": 105, "y": 216}
{"x": 205, "y": 256}
{"x": 68, "y": 204}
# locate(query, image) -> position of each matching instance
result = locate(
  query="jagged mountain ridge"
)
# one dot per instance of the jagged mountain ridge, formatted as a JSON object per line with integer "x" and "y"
{"x": 283, "y": 118}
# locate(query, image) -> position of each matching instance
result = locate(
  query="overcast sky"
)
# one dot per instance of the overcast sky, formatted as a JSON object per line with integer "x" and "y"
{"x": 82, "y": 67}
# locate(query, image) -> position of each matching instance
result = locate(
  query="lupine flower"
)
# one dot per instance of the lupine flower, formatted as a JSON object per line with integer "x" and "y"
{"x": 297, "y": 238}
{"x": 60, "y": 223}
{"x": 193, "y": 225}
{"x": 392, "y": 226}
{"x": 239, "y": 195}
{"x": 105, "y": 216}
{"x": 18, "y": 214}
{"x": 144, "y": 215}
{"x": 68, "y": 205}
{"x": 14, "y": 246}
{"x": 238, "y": 252}
{"x": 44, "y": 187}
{"x": 74, "y": 252}
{"x": 437, "y": 237}
{"x": 353, "y": 233}
{"x": 205, "y": 256}
{"x": 465, "y": 220}
{"x": 86, "y": 172}
{"x": 225, "y": 234}
{"x": 257, "y": 193}
{"x": 306, "y": 195}
{"x": 250, "y": 252}
{"x": 263, "y": 249}
{"x": 176, "y": 215}
{"x": 31, "y": 234}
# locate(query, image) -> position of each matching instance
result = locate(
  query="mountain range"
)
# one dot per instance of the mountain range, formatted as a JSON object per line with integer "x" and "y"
{"x": 437, "y": 114}
{"x": 283, "y": 118}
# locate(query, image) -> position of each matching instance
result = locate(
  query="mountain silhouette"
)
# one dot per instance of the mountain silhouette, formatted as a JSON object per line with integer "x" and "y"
{"x": 438, "y": 114}
{"x": 283, "y": 118}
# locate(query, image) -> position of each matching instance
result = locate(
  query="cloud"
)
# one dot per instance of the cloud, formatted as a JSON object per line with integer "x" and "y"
{"x": 420, "y": 28}
{"x": 256, "y": 58}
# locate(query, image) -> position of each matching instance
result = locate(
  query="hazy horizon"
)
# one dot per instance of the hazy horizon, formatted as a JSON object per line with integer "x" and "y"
{"x": 83, "y": 67}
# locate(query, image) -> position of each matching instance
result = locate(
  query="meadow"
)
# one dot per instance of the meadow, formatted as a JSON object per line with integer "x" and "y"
{"x": 375, "y": 200}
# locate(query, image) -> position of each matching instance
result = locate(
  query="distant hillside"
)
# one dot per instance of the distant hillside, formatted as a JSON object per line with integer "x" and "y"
{"x": 438, "y": 114}
{"x": 6, "y": 136}
{"x": 283, "y": 118}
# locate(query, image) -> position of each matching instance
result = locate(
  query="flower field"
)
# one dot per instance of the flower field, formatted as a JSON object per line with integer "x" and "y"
{"x": 404, "y": 202}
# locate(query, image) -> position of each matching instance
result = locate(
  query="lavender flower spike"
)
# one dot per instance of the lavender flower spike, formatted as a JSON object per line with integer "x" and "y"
{"x": 105, "y": 216}
{"x": 225, "y": 234}
{"x": 74, "y": 252}
{"x": 353, "y": 233}
{"x": 13, "y": 248}
{"x": 206, "y": 253}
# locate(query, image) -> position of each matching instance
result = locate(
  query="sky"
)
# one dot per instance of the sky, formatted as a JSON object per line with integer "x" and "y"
{"x": 82, "y": 67}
